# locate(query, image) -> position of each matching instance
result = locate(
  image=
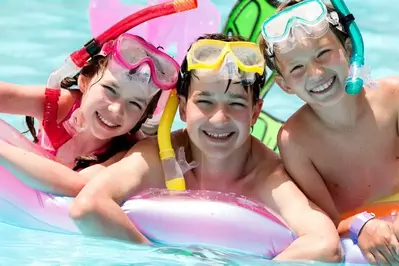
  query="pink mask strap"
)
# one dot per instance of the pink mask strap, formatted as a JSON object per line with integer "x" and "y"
{"x": 108, "y": 47}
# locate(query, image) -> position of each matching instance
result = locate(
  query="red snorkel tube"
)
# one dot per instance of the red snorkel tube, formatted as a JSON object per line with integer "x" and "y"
{"x": 94, "y": 46}
{"x": 77, "y": 59}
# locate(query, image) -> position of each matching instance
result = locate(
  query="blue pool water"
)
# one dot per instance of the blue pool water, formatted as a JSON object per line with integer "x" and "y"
{"x": 36, "y": 36}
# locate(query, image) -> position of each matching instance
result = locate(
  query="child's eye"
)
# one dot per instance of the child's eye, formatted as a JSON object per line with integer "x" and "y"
{"x": 325, "y": 52}
{"x": 238, "y": 104}
{"x": 136, "y": 105}
{"x": 296, "y": 68}
{"x": 204, "y": 102}
{"x": 109, "y": 89}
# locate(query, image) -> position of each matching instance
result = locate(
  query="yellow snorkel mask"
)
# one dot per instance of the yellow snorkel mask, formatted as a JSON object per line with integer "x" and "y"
{"x": 215, "y": 60}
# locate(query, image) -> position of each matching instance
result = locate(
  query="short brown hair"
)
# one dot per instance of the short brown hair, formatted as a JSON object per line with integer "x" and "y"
{"x": 342, "y": 36}
{"x": 184, "y": 80}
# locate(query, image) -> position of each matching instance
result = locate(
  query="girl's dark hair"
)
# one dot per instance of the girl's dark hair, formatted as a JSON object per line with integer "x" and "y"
{"x": 124, "y": 142}
{"x": 342, "y": 36}
{"x": 184, "y": 80}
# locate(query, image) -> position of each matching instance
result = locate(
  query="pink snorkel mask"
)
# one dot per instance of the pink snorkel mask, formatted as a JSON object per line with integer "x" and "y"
{"x": 78, "y": 59}
{"x": 153, "y": 66}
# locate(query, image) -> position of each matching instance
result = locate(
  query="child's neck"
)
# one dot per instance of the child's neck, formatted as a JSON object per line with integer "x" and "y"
{"x": 86, "y": 140}
{"x": 221, "y": 172}
{"x": 345, "y": 113}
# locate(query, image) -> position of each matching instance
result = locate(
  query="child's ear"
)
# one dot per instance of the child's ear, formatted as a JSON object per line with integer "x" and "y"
{"x": 182, "y": 108}
{"x": 257, "y": 109}
{"x": 83, "y": 83}
{"x": 348, "y": 47}
{"x": 282, "y": 84}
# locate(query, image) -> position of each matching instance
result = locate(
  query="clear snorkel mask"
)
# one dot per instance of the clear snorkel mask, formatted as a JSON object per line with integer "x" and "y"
{"x": 307, "y": 19}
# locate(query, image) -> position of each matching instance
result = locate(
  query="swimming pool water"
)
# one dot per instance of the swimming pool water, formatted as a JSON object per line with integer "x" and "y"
{"x": 37, "y": 35}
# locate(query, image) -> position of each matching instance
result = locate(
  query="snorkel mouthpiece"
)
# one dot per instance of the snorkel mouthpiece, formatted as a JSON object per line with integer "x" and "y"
{"x": 184, "y": 5}
{"x": 354, "y": 81}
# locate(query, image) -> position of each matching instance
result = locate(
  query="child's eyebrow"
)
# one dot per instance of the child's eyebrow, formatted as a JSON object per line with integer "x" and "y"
{"x": 205, "y": 93}
{"x": 140, "y": 100}
{"x": 112, "y": 84}
{"x": 238, "y": 96}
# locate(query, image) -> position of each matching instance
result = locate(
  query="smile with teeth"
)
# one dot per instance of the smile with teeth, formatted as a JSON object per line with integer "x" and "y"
{"x": 106, "y": 122}
{"x": 218, "y": 135}
{"x": 323, "y": 87}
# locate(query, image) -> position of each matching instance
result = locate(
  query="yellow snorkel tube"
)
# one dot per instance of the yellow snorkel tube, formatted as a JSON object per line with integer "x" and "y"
{"x": 174, "y": 179}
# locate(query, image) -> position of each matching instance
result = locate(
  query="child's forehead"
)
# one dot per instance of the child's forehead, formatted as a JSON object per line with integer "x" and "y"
{"x": 234, "y": 89}
{"x": 125, "y": 86}
{"x": 305, "y": 46}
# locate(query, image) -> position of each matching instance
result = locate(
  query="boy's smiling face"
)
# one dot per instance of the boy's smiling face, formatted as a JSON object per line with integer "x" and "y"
{"x": 315, "y": 70}
{"x": 219, "y": 119}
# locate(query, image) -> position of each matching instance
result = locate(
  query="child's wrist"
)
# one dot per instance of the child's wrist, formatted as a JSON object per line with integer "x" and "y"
{"x": 358, "y": 223}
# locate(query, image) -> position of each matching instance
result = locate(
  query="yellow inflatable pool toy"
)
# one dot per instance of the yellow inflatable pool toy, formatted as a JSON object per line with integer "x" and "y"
{"x": 392, "y": 198}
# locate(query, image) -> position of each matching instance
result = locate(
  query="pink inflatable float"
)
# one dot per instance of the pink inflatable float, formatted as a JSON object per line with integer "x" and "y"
{"x": 204, "y": 218}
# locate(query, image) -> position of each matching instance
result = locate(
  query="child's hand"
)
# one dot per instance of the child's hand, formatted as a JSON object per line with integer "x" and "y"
{"x": 139, "y": 135}
{"x": 184, "y": 165}
{"x": 379, "y": 243}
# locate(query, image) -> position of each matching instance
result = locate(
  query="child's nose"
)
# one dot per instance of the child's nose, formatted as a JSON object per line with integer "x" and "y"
{"x": 116, "y": 108}
{"x": 315, "y": 70}
{"x": 220, "y": 117}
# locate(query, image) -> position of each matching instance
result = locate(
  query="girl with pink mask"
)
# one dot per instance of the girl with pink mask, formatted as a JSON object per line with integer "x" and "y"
{"x": 90, "y": 127}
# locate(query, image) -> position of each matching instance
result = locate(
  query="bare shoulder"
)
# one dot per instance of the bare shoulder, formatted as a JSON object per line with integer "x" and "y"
{"x": 93, "y": 170}
{"x": 263, "y": 154}
{"x": 66, "y": 101}
{"x": 179, "y": 139}
{"x": 388, "y": 88}
{"x": 146, "y": 148}
{"x": 144, "y": 155}
{"x": 296, "y": 129}
{"x": 385, "y": 97}
{"x": 391, "y": 82}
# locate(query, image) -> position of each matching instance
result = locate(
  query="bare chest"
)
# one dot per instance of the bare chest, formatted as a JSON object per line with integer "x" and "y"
{"x": 243, "y": 186}
{"x": 74, "y": 148}
{"x": 358, "y": 166}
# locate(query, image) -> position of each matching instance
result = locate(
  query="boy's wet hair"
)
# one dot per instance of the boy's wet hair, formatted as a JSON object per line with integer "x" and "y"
{"x": 342, "y": 36}
{"x": 185, "y": 76}
{"x": 120, "y": 143}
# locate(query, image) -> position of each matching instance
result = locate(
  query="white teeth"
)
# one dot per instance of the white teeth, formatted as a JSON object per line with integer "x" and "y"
{"x": 218, "y": 136}
{"x": 105, "y": 121}
{"x": 323, "y": 86}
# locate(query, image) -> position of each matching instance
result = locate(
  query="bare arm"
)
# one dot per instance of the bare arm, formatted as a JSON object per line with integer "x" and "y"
{"x": 47, "y": 175}
{"x": 29, "y": 100}
{"x": 97, "y": 210}
{"x": 301, "y": 169}
{"x": 317, "y": 236}
{"x": 21, "y": 100}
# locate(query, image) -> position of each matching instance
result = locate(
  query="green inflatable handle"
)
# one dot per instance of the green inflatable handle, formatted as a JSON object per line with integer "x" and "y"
{"x": 354, "y": 81}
